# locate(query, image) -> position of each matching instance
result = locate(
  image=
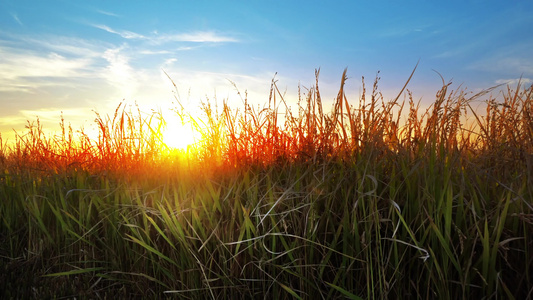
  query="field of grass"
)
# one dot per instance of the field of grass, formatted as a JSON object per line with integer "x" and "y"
{"x": 374, "y": 199}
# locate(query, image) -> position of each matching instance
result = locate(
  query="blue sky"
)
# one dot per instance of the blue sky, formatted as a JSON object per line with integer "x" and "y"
{"x": 78, "y": 56}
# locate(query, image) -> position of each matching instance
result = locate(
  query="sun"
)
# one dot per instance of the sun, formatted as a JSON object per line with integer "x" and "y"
{"x": 179, "y": 134}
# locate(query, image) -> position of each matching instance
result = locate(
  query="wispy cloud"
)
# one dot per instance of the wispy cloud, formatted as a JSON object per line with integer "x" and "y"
{"x": 31, "y": 64}
{"x": 107, "y": 13}
{"x": 165, "y": 52}
{"x": 198, "y": 37}
{"x": 123, "y": 33}
{"x": 518, "y": 64}
{"x": 18, "y": 67}
{"x": 154, "y": 52}
{"x": 399, "y": 32}
{"x": 119, "y": 72}
{"x": 52, "y": 67}
{"x": 514, "y": 81}
{"x": 16, "y": 18}
{"x": 57, "y": 71}
{"x": 43, "y": 72}
{"x": 169, "y": 62}
{"x": 155, "y": 37}
{"x": 451, "y": 53}
{"x": 68, "y": 46}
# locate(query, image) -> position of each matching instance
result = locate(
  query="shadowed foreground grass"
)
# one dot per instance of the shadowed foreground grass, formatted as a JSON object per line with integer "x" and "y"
{"x": 372, "y": 200}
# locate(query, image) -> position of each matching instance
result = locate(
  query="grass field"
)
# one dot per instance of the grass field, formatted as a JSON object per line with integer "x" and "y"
{"x": 371, "y": 199}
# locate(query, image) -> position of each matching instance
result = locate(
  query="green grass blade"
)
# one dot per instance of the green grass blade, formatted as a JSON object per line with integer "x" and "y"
{"x": 151, "y": 249}
{"x": 74, "y": 272}
{"x": 344, "y": 292}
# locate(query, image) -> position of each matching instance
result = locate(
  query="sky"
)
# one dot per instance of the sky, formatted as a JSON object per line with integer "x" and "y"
{"x": 78, "y": 57}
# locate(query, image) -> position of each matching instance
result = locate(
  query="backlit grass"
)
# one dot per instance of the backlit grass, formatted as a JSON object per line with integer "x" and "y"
{"x": 368, "y": 199}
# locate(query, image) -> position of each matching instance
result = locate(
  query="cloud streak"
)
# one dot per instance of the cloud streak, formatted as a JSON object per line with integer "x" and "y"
{"x": 107, "y": 13}
{"x": 20, "y": 70}
{"x": 514, "y": 81}
{"x": 198, "y": 37}
{"x": 194, "y": 37}
{"x": 509, "y": 64}
{"x": 80, "y": 74}
{"x": 32, "y": 64}
{"x": 119, "y": 72}
{"x": 16, "y": 18}
{"x": 123, "y": 33}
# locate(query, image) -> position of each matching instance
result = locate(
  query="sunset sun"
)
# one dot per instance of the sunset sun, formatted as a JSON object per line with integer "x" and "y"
{"x": 178, "y": 134}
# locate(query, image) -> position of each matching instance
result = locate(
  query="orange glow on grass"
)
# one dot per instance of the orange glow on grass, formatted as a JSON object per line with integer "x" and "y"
{"x": 179, "y": 135}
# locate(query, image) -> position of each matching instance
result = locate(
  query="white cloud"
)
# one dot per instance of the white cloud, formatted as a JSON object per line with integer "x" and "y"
{"x": 76, "y": 73}
{"x": 169, "y": 62}
{"x": 514, "y": 81}
{"x": 164, "y": 52}
{"x": 107, "y": 13}
{"x": 512, "y": 59}
{"x": 16, "y": 18}
{"x": 516, "y": 64}
{"x": 59, "y": 60}
{"x": 156, "y": 52}
{"x": 17, "y": 68}
{"x": 197, "y": 37}
{"x": 123, "y": 33}
{"x": 155, "y": 37}
{"x": 44, "y": 64}
{"x": 54, "y": 43}
{"x": 118, "y": 72}
{"x": 397, "y": 31}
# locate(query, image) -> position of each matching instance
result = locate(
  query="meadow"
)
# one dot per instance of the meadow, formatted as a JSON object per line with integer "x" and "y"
{"x": 371, "y": 198}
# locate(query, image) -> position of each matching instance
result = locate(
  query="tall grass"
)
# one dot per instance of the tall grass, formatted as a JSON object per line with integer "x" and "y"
{"x": 374, "y": 199}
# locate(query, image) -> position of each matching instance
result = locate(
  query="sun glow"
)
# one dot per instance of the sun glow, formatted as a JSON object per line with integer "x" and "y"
{"x": 179, "y": 134}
